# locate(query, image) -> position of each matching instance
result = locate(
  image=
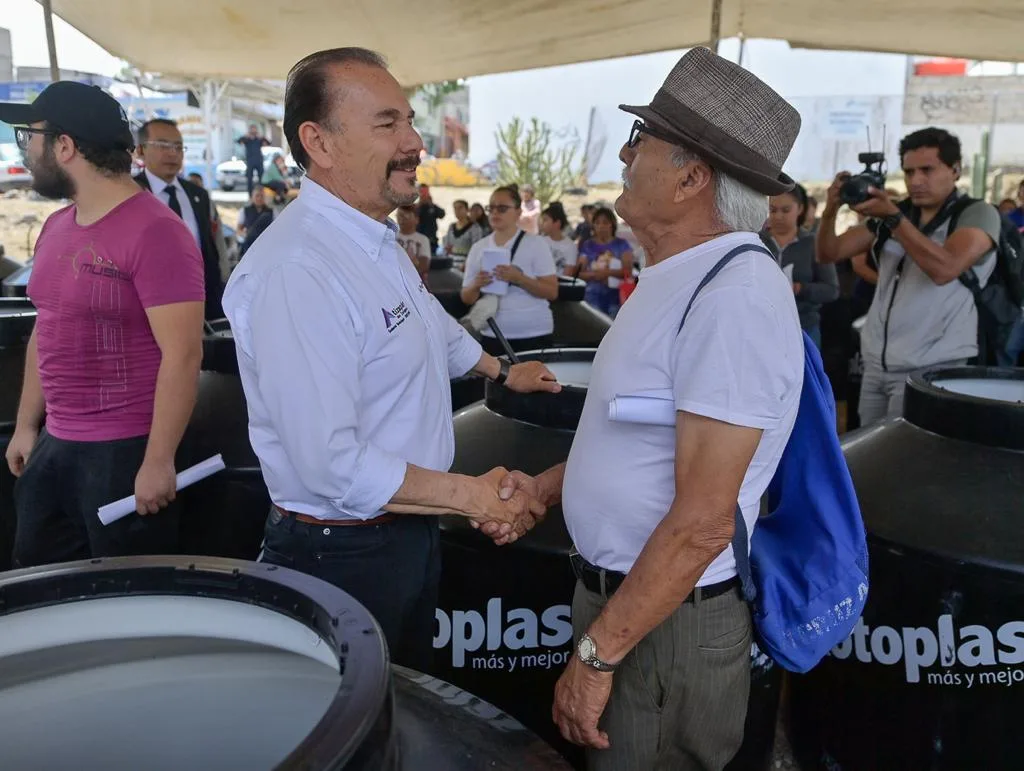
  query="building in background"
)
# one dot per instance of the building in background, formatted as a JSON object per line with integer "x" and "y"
{"x": 6, "y": 56}
{"x": 443, "y": 121}
{"x": 969, "y": 99}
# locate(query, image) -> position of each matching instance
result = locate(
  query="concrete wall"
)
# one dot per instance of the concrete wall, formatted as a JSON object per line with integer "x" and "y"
{"x": 967, "y": 107}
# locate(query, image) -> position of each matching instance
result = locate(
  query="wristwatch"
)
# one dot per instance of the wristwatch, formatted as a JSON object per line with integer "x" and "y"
{"x": 503, "y": 370}
{"x": 893, "y": 221}
{"x": 587, "y": 653}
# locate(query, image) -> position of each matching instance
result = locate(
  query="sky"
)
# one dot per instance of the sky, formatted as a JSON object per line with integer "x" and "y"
{"x": 24, "y": 18}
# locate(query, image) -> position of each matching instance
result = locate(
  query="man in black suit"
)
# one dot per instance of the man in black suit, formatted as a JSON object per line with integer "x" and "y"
{"x": 162, "y": 151}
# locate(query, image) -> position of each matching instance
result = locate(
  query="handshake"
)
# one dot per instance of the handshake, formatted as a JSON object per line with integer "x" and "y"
{"x": 506, "y": 505}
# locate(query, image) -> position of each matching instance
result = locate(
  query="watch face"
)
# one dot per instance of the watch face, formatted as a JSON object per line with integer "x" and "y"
{"x": 587, "y": 648}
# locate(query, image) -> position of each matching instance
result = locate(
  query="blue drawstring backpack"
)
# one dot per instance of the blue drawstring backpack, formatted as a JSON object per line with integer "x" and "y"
{"x": 806, "y": 576}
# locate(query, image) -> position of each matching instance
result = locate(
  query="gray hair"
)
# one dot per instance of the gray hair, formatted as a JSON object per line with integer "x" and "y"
{"x": 738, "y": 207}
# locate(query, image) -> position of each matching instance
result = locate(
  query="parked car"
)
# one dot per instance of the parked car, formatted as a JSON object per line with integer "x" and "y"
{"x": 13, "y": 172}
{"x": 231, "y": 174}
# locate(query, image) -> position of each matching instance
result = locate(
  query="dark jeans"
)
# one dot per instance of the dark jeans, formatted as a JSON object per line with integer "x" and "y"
{"x": 253, "y": 173}
{"x": 57, "y": 497}
{"x": 393, "y": 569}
{"x": 493, "y": 347}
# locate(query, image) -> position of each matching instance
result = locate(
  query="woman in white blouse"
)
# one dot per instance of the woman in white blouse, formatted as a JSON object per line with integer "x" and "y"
{"x": 523, "y": 313}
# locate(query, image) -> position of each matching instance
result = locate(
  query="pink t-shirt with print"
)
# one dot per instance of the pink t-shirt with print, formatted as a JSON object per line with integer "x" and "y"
{"x": 91, "y": 285}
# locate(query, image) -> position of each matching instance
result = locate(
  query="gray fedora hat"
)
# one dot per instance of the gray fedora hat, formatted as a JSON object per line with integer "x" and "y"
{"x": 728, "y": 116}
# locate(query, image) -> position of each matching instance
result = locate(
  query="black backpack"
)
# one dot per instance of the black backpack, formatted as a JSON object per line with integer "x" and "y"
{"x": 999, "y": 302}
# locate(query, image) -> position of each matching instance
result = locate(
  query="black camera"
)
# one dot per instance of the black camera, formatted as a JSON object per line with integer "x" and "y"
{"x": 855, "y": 189}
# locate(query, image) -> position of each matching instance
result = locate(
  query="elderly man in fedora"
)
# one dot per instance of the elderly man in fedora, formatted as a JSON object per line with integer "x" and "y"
{"x": 661, "y": 675}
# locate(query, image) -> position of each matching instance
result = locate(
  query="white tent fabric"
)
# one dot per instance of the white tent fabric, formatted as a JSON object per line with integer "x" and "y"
{"x": 432, "y": 40}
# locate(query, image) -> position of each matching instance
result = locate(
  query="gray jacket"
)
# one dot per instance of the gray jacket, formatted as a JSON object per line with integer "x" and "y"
{"x": 819, "y": 284}
{"x": 913, "y": 322}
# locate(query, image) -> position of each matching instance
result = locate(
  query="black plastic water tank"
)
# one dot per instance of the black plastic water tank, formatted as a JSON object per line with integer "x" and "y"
{"x": 933, "y": 675}
{"x": 503, "y": 622}
{"x": 222, "y": 515}
{"x": 168, "y": 663}
{"x": 577, "y": 325}
{"x": 17, "y": 318}
{"x": 444, "y": 281}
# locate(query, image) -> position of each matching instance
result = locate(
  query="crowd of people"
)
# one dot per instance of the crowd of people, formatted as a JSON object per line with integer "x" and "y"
{"x": 345, "y": 359}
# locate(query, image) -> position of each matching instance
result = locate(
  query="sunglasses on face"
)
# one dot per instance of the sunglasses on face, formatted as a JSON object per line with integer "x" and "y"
{"x": 23, "y": 135}
{"x": 639, "y": 127}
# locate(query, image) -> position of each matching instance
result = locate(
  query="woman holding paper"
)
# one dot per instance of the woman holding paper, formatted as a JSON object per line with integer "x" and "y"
{"x": 814, "y": 284}
{"x": 605, "y": 259}
{"x": 511, "y": 276}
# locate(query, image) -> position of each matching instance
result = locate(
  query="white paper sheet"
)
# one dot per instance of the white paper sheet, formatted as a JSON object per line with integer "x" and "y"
{"x": 788, "y": 270}
{"x": 653, "y": 408}
{"x": 489, "y": 260}
{"x": 614, "y": 264}
{"x": 122, "y": 508}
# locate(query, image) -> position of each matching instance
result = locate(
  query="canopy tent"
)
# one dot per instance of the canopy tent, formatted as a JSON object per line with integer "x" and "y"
{"x": 446, "y": 39}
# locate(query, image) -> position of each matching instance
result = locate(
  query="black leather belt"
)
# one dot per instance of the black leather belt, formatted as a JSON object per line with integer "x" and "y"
{"x": 605, "y": 582}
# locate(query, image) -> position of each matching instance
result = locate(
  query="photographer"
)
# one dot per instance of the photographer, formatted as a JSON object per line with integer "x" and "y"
{"x": 921, "y": 314}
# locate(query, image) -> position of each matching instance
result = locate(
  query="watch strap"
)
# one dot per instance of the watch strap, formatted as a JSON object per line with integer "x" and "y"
{"x": 892, "y": 221}
{"x": 503, "y": 369}
{"x": 593, "y": 661}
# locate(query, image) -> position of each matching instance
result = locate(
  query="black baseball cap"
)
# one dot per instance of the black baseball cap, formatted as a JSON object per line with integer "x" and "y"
{"x": 82, "y": 112}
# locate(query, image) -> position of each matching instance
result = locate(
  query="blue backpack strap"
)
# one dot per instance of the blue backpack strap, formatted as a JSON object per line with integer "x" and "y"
{"x": 740, "y": 542}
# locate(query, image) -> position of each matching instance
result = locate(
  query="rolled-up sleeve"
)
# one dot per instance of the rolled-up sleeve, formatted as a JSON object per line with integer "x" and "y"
{"x": 306, "y": 351}
{"x": 463, "y": 351}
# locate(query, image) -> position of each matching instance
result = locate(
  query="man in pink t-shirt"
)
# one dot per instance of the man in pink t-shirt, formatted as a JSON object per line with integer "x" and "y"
{"x": 113, "y": 362}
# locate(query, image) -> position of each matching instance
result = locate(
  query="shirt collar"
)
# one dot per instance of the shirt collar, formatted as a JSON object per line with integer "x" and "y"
{"x": 158, "y": 186}
{"x": 369, "y": 234}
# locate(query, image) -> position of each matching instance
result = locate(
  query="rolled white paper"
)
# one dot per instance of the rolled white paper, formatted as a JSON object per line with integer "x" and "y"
{"x": 653, "y": 408}
{"x": 122, "y": 508}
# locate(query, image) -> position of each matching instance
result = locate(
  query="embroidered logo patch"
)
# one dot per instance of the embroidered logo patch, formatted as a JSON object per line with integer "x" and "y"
{"x": 393, "y": 318}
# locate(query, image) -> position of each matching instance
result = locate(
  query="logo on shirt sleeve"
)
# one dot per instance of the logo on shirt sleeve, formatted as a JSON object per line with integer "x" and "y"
{"x": 395, "y": 317}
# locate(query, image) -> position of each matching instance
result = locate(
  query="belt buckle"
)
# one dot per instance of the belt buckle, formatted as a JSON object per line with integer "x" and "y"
{"x": 276, "y": 517}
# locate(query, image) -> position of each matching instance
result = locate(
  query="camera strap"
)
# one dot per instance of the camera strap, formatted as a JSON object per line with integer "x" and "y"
{"x": 954, "y": 204}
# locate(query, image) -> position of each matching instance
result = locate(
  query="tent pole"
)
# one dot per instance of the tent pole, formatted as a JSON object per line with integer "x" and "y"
{"x": 208, "y": 107}
{"x": 716, "y": 25}
{"x": 51, "y": 43}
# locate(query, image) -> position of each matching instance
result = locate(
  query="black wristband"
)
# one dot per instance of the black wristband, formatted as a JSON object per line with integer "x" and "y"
{"x": 893, "y": 221}
{"x": 503, "y": 370}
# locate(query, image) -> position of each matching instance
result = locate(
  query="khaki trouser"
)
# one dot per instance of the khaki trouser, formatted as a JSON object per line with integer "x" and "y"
{"x": 679, "y": 699}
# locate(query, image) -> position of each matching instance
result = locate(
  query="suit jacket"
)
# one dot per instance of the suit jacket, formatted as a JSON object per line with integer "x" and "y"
{"x": 201, "y": 205}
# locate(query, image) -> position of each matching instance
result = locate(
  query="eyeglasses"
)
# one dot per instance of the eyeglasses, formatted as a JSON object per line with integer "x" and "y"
{"x": 168, "y": 147}
{"x": 23, "y": 135}
{"x": 639, "y": 127}
{"x": 500, "y": 208}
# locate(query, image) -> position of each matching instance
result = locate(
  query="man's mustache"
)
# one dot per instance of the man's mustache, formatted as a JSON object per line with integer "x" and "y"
{"x": 410, "y": 163}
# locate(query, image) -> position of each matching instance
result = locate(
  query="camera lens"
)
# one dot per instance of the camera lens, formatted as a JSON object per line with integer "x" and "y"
{"x": 855, "y": 190}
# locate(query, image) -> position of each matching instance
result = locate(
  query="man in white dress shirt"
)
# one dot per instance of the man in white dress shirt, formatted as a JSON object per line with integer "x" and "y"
{"x": 163, "y": 152}
{"x": 345, "y": 359}
{"x": 661, "y": 676}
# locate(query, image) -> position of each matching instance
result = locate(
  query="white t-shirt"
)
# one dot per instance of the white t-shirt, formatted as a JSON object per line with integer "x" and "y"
{"x": 738, "y": 359}
{"x": 520, "y": 314}
{"x": 416, "y": 245}
{"x": 565, "y": 252}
